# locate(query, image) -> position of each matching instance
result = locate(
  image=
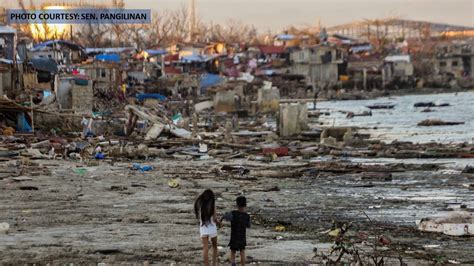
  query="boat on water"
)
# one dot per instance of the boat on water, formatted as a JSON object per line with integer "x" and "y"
{"x": 381, "y": 106}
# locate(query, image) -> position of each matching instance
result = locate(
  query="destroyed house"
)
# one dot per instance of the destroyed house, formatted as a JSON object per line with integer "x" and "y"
{"x": 318, "y": 63}
{"x": 14, "y": 116}
{"x": 194, "y": 58}
{"x": 175, "y": 64}
{"x": 200, "y": 63}
{"x": 357, "y": 63}
{"x": 361, "y": 48}
{"x": 105, "y": 76}
{"x": 215, "y": 48}
{"x": 40, "y": 74}
{"x": 285, "y": 40}
{"x": 7, "y": 42}
{"x": 6, "y": 81}
{"x": 455, "y": 59}
{"x": 171, "y": 64}
{"x": 267, "y": 53}
{"x": 7, "y": 59}
{"x": 340, "y": 39}
{"x": 291, "y": 40}
{"x": 63, "y": 52}
{"x": 186, "y": 49}
{"x": 124, "y": 53}
{"x": 75, "y": 93}
{"x": 365, "y": 70}
{"x": 152, "y": 63}
{"x": 398, "y": 67}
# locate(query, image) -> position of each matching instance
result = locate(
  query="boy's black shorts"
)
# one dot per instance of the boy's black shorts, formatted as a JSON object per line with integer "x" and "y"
{"x": 236, "y": 246}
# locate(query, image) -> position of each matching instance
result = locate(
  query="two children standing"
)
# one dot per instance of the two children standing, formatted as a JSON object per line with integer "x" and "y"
{"x": 205, "y": 210}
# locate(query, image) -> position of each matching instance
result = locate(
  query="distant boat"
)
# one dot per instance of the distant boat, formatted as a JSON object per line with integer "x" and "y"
{"x": 381, "y": 106}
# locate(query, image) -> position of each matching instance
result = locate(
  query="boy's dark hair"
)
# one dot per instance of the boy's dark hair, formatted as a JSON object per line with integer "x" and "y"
{"x": 241, "y": 201}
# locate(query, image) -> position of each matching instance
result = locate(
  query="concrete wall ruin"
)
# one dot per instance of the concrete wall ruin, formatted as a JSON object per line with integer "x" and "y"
{"x": 225, "y": 101}
{"x": 82, "y": 98}
{"x": 293, "y": 119}
{"x": 268, "y": 100}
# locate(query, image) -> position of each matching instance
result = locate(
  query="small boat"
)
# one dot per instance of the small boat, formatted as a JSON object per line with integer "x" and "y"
{"x": 431, "y": 104}
{"x": 381, "y": 106}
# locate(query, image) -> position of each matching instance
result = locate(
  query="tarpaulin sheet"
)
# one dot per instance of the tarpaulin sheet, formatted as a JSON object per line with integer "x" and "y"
{"x": 209, "y": 80}
{"x": 153, "y": 52}
{"x": 143, "y": 96}
{"x": 108, "y": 57}
{"x": 22, "y": 124}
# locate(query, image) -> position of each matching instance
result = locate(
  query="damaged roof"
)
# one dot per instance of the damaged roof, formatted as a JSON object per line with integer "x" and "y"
{"x": 398, "y": 58}
{"x": 44, "y": 64}
{"x": 270, "y": 49}
{"x": 7, "y": 30}
{"x": 109, "y": 50}
{"x": 153, "y": 52}
{"x": 108, "y": 57}
{"x": 52, "y": 43}
{"x": 285, "y": 37}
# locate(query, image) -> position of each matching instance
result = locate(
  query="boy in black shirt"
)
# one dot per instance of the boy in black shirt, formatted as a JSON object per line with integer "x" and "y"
{"x": 239, "y": 222}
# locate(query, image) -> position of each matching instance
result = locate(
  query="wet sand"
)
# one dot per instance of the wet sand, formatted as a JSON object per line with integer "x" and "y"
{"x": 113, "y": 214}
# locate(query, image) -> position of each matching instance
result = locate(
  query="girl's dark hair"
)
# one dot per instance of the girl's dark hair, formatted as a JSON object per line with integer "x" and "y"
{"x": 205, "y": 206}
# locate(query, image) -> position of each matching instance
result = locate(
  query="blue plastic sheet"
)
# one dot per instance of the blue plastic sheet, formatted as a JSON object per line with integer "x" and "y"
{"x": 143, "y": 96}
{"x": 142, "y": 168}
{"x": 100, "y": 156}
{"x": 209, "y": 80}
{"x": 153, "y": 52}
{"x": 108, "y": 57}
{"x": 22, "y": 124}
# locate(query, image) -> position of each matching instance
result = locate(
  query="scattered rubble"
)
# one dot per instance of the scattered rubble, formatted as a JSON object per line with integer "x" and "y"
{"x": 437, "y": 122}
{"x": 455, "y": 224}
{"x": 111, "y": 140}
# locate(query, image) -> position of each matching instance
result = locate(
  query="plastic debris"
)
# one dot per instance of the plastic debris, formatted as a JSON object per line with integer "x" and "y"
{"x": 335, "y": 232}
{"x": 99, "y": 156}
{"x": 80, "y": 171}
{"x": 4, "y": 227}
{"x": 280, "y": 228}
{"x": 173, "y": 183}
{"x": 142, "y": 168}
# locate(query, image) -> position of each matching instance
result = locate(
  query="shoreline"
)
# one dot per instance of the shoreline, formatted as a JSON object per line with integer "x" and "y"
{"x": 348, "y": 96}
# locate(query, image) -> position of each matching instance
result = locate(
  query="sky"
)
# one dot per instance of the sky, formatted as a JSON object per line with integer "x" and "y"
{"x": 277, "y": 15}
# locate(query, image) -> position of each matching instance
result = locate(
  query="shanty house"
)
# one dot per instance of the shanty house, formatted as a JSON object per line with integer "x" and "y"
{"x": 365, "y": 69}
{"x": 122, "y": 52}
{"x": 272, "y": 52}
{"x": 7, "y": 59}
{"x": 291, "y": 40}
{"x": 75, "y": 93}
{"x": 455, "y": 59}
{"x": 7, "y": 42}
{"x": 285, "y": 40}
{"x": 6, "y": 85}
{"x": 63, "y": 52}
{"x": 398, "y": 67}
{"x": 318, "y": 63}
{"x": 106, "y": 76}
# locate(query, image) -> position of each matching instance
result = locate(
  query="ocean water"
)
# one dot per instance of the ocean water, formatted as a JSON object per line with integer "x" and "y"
{"x": 401, "y": 122}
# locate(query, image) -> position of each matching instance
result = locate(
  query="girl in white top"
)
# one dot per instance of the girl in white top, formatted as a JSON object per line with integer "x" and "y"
{"x": 205, "y": 210}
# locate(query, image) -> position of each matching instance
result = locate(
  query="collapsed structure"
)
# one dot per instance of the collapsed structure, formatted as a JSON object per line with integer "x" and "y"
{"x": 216, "y": 102}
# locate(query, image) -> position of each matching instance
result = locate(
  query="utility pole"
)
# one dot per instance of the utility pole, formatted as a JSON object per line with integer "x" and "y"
{"x": 192, "y": 15}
